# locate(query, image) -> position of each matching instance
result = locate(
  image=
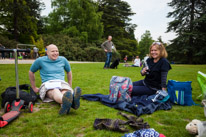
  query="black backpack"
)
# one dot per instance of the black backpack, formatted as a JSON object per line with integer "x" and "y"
{"x": 9, "y": 95}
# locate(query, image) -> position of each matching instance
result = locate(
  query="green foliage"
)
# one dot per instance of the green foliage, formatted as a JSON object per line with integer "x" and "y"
{"x": 160, "y": 40}
{"x": 40, "y": 45}
{"x": 84, "y": 16}
{"x": 144, "y": 44}
{"x": 84, "y": 37}
{"x": 189, "y": 45}
{"x": 68, "y": 47}
{"x": 88, "y": 22}
{"x": 116, "y": 20}
{"x": 126, "y": 47}
{"x": 45, "y": 121}
{"x": 95, "y": 54}
{"x": 116, "y": 17}
{"x": 76, "y": 48}
{"x": 115, "y": 55}
{"x": 18, "y": 19}
{"x": 79, "y": 22}
{"x": 124, "y": 53}
{"x": 71, "y": 31}
{"x": 76, "y": 18}
{"x": 8, "y": 43}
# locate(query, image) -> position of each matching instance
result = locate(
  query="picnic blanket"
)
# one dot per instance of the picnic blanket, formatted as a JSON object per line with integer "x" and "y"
{"x": 138, "y": 105}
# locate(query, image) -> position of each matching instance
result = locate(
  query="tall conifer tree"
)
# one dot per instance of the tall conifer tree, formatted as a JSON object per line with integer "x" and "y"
{"x": 189, "y": 21}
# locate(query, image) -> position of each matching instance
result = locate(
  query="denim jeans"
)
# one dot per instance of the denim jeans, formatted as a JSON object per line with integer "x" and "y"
{"x": 107, "y": 62}
{"x": 140, "y": 89}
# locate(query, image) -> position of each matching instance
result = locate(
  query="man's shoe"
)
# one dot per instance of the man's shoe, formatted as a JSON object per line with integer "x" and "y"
{"x": 76, "y": 99}
{"x": 66, "y": 103}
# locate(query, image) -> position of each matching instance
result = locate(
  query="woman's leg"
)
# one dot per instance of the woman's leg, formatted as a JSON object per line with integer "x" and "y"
{"x": 138, "y": 83}
{"x": 140, "y": 89}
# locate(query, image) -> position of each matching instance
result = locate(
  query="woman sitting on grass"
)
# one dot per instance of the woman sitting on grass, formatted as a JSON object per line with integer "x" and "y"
{"x": 136, "y": 62}
{"x": 155, "y": 70}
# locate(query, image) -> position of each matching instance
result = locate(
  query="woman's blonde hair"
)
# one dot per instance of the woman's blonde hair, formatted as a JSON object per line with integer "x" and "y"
{"x": 160, "y": 47}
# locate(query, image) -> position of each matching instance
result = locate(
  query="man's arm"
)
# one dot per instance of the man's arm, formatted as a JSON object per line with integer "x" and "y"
{"x": 32, "y": 81}
{"x": 103, "y": 46}
{"x": 69, "y": 77}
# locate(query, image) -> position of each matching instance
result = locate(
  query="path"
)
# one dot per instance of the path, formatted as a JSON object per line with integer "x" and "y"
{"x": 30, "y": 61}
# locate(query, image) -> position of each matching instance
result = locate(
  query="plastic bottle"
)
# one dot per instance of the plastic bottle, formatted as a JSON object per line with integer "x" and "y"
{"x": 147, "y": 67}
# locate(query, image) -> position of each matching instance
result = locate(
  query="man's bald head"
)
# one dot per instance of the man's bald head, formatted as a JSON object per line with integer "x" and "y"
{"x": 52, "y": 52}
{"x": 109, "y": 38}
{"x": 51, "y": 46}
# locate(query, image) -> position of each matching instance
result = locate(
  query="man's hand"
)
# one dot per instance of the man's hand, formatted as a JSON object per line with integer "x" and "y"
{"x": 105, "y": 50}
{"x": 36, "y": 90}
{"x": 32, "y": 81}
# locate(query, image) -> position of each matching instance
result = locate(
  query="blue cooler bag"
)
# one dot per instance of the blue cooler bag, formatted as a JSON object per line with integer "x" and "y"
{"x": 180, "y": 92}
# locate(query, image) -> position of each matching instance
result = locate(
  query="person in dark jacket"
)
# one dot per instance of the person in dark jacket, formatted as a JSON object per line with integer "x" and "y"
{"x": 155, "y": 70}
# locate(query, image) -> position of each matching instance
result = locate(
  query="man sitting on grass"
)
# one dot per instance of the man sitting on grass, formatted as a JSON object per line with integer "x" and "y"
{"x": 52, "y": 71}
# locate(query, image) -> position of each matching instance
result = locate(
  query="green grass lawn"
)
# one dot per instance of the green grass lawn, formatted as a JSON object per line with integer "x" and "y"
{"x": 45, "y": 121}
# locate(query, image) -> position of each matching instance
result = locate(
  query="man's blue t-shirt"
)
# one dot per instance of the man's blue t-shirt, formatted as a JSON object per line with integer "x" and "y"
{"x": 51, "y": 69}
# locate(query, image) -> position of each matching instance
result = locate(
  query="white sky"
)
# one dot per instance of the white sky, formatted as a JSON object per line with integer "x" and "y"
{"x": 150, "y": 15}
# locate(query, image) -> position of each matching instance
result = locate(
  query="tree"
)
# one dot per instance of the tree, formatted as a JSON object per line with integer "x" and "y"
{"x": 8, "y": 43}
{"x": 116, "y": 18}
{"x": 76, "y": 18}
{"x": 40, "y": 45}
{"x": 58, "y": 19}
{"x": 18, "y": 19}
{"x": 144, "y": 44}
{"x": 75, "y": 49}
{"x": 189, "y": 21}
{"x": 159, "y": 39}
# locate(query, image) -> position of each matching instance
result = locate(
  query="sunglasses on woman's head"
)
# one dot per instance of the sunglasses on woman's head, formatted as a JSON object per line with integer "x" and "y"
{"x": 158, "y": 43}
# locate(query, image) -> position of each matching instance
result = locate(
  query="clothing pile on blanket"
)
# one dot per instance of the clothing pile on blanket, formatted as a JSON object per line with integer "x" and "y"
{"x": 138, "y": 105}
{"x": 119, "y": 125}
{"x": 140, "y": 128}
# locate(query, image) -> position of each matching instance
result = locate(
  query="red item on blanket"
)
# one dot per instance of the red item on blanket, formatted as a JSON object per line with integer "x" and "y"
{"x": 161, "y": 135}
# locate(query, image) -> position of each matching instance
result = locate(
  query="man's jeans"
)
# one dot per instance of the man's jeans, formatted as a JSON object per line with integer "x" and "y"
{"x": 107, "y": 62}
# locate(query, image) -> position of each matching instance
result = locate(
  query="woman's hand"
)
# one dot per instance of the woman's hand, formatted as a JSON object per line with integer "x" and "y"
{"x": 144, "y": 70}
{"x": 164, "y": 89}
